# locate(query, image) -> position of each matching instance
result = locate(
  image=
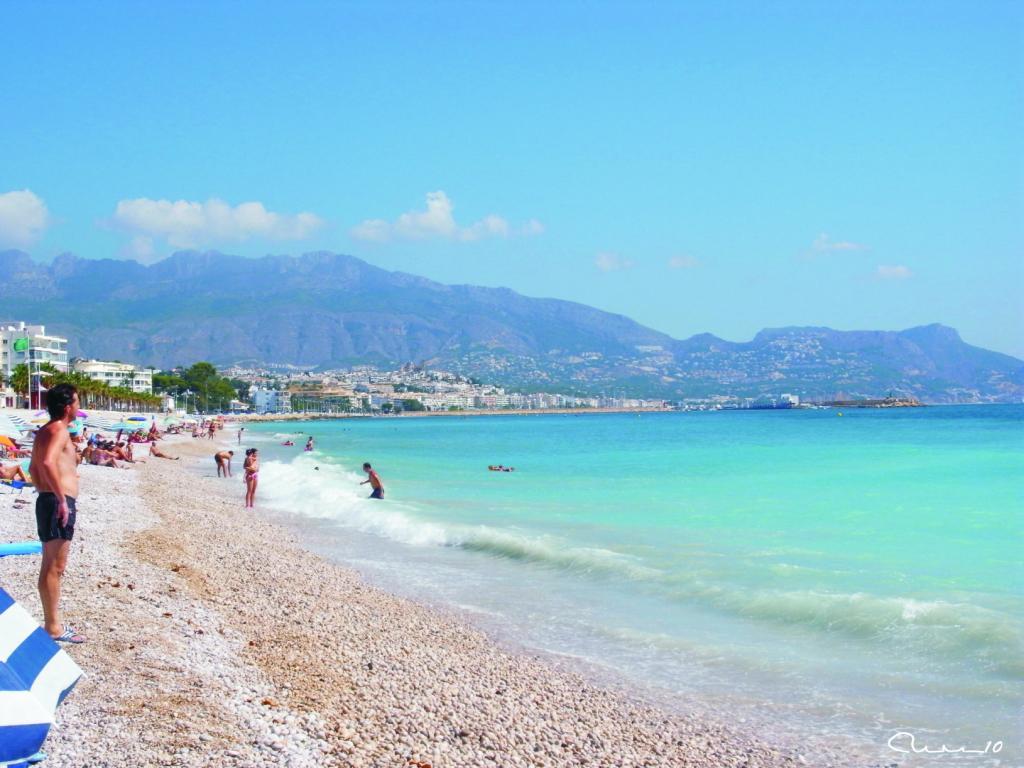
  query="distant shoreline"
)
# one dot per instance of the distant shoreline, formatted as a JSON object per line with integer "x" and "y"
{"x": 418, "y": 414}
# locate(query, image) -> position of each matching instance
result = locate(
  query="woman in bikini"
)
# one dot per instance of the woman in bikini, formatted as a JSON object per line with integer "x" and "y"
{"x": 252, "y": 471}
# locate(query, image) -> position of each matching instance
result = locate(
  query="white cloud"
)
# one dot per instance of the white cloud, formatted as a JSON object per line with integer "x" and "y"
{"x": 897, "y": 272}
{"x": 23, "y": 218}
{"x": 188, "y": 224}
{"x": 683, "y": 262}
{"x": 141, "y": 249}
{"x": 438, "y": 221}
{"x": 824, "y": 244}
{"x": 532, "y": 227}
{"x": 611, "y": 262}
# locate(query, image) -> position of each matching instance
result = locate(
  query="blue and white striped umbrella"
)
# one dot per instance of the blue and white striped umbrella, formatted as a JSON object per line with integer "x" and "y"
{"x": 11, "y": 428}
{"x": 21, "y": 422}
{"x": 35, "y": 676}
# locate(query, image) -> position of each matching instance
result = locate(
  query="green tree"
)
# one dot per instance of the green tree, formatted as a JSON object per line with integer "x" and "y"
{"x": 412, "y": 405}
{"x": 168, "y": 382}
{"x": 19, "y": 379}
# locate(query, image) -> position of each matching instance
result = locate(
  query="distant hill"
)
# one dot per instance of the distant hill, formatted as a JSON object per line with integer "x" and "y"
{"x": 325, "y": 310}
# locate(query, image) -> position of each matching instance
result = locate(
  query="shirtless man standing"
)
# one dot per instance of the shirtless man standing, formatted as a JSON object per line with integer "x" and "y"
{"x": 54, "y": 471}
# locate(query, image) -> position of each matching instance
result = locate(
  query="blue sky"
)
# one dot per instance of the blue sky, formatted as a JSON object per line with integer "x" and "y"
{"x": 717, "y": 167}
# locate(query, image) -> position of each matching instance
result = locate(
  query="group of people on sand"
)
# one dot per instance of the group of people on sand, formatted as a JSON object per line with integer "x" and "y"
{"x": 53, "y": 470}
{"x": 250, "y": 469}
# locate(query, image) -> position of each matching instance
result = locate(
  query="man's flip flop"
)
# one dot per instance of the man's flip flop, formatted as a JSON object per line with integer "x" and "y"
{"x": 70, "y": 636}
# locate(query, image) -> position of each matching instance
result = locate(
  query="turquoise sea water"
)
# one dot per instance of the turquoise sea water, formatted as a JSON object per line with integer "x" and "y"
{"x": 860, "y": 572}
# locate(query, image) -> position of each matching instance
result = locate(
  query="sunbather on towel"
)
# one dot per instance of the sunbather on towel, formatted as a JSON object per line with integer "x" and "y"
{"x": 12, "y": 472}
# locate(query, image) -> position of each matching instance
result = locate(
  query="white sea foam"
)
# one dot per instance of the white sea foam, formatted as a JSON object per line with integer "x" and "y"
{"x": 316, "y": 486}
{"x": 931, "y": 627}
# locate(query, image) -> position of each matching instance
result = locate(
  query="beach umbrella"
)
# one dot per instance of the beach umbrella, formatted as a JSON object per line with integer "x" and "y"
{"x": 9, "y": 428}
{"x": 127, "y": 426}
{"x": 6, "y": 441}
{"x": 35, "y": 677}
{"x": 19, "y": 421}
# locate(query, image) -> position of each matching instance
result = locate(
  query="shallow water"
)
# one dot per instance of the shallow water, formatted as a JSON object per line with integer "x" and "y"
{"x": 862, "y": 572}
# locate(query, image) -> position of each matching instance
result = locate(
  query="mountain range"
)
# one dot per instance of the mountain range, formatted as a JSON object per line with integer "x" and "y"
{"x": 324, "y": 310}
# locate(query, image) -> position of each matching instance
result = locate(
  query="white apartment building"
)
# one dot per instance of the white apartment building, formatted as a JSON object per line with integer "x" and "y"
{"x": 29, "y": 344}
{"x": 139, "y": 380}
{"x": 271, "y": 400}
{"x": 23, "y": 343}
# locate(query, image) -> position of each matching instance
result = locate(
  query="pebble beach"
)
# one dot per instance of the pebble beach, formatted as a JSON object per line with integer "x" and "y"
{"x": 215, "y": 639}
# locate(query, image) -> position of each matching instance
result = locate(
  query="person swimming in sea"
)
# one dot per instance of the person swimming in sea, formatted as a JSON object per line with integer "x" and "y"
{"x": 288, "y": 443}
{"x": 374, "y": 480}
{"x": 309, "y": 443}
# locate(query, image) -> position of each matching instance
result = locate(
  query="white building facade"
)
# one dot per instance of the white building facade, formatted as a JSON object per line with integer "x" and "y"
{"x": 271, "y": 400}
{"x": 139, "y": 380}
{"x": 29, "y": 344}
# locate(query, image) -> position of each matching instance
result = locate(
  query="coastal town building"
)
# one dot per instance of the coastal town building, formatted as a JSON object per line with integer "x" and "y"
{"x": 270, "y": 400}
{"x": 24, "y": 343}
{"x": 114, "y": 374}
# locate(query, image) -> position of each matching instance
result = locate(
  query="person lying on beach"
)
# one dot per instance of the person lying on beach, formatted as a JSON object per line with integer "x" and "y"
{"x": 103, "y": 458}
{"x": 374, "y": 480}
{"x": 12, "y": 472}
{"x": 223, "y": 460}
{"x": 154, "y": 451}
{"x": 17, "y": 451}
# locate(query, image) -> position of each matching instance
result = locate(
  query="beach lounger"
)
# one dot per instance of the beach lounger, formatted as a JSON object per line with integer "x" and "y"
{"x": 14, "y": 485}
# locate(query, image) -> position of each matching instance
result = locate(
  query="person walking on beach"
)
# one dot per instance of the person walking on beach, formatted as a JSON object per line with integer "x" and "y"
{"x": 223, "y": 459}
{"x": 54, "y": 469}
{"x": 240, "y": 431}
{"x": 374, "y": 480}
{"x": 252, "y": 471}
